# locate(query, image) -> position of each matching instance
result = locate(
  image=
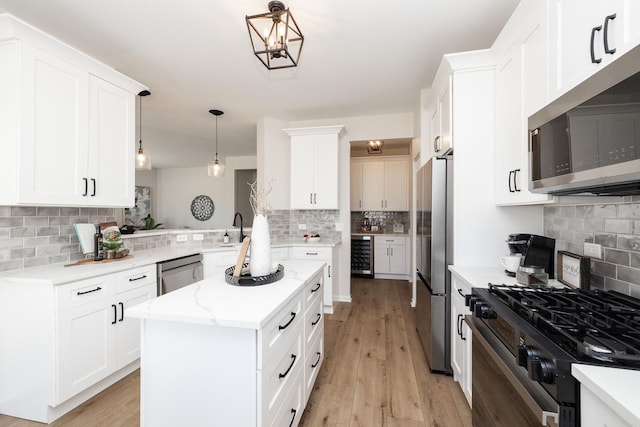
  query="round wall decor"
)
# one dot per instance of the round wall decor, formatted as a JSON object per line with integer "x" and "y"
{"x": 202, "y": 207}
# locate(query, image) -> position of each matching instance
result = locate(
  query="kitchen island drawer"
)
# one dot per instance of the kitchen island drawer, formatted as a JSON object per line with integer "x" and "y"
{"x": 313, "y": 290}
{"x": 280, "y": 329}
{"x": 313, "y": 320}
{"x": 290, "y": 413}
{"x": 313, "y": 360}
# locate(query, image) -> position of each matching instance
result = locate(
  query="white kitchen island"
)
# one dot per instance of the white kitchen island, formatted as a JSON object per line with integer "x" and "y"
{"x": 215, "y": 354}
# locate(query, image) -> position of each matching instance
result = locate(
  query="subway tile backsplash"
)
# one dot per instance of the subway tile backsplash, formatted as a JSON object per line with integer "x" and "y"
{"x": 615, "y": 226}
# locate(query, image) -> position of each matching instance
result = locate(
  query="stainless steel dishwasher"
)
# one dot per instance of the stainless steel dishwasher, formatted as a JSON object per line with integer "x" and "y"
{"x": 179, "y": 272}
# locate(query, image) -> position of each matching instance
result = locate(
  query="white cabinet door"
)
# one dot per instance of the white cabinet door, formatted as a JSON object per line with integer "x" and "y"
{"x": 381, "y": 258}
{"x": 444, "y": 109}
{"x": 461, "y": 357}
{"x": 356, "y": 186}
{"x": 112, "y": 140}
{"x": 53, "y": 129}
{"x": 396, "y": 185}
{"x": 302, "y": 165}
{"x": 128, "y": 329}
{"x": 373, "y": 186}
{"x": 398, "y": 259}
{"x": 325, "y": 172}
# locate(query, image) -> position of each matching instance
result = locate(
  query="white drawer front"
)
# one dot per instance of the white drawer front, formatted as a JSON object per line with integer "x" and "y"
{"x": 282, "y": 327}
{"x": 278, "y": 376}
{"x": 290, "y": 412}
{"x": 311, "y": 252}
{"x": 136, "y": 278}
{"x": 84, "y": 291}
{"x": 313, "y": 290}
{"x": 313, "y": 361}
{"x": 313, "y": 321}
{"x": 390, "y": 240}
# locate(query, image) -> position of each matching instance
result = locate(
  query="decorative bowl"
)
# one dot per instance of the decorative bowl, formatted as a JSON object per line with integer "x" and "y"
{"x": 313, "y": 239}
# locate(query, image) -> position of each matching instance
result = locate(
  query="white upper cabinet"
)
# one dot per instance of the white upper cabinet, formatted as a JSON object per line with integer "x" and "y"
{"x": 314, "y": 167}
{"x": 588, "y": 35}
{"x": 439, "y": 109}
{"x": 522, "y": 88}
{"x": 380, "y": 185}
{"x": 68, "y": 124}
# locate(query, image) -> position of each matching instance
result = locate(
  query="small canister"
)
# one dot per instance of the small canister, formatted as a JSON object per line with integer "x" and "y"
{"x": 225, "y": 238}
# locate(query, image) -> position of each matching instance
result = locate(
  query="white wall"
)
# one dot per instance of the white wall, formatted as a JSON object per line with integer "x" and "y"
{"x": 273, "y": 163}
{"x": 177, "y": 187}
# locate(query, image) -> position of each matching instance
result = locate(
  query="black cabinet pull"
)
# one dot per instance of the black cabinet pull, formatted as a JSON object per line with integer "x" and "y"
{"x": 93, "y": 180}
{"x": 516, "y": 172}
{"x": 315, "y": 198}
{"x": 88, "y": 292}
{"x": 606, "y": 34}
{"x": 317, "y": 361}
{"x": 121, "y": 312}
{"x": 293, "y": 316}
{"x": 293, "y": 411}
{"x": 310, "y": 198}
{"x": 317, "y": 288}
{"x": 293, "y": 361}
{"x": 460, "y": 292}
{"x": 329, "y": 270}
{"x": 86, "y": 187}
{"x": 317, "y": 320}
{"x": 311, "y": 253}
{"x": 510, "y": 180}
{"x": 460, "y": 320}
{"x": 594, "y": 30}
{"x": 138, "y": 278}
{"x": 115, "y": 314}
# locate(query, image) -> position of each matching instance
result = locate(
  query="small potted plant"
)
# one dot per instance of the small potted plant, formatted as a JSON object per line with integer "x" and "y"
{"x": 111, "y": 241}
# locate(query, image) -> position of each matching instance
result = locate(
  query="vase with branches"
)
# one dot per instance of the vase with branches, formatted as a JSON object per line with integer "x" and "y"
{"x": 260, "y": 246}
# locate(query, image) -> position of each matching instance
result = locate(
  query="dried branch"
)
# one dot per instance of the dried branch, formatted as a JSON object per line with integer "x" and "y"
{"x": 259, "y": 198}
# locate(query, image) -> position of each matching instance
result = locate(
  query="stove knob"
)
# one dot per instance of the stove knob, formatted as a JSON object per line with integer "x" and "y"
{"x": 541, "y": 370}
{"x": 468, "y": 298}
{"x": 483, "y": 311}
{"x": 525, "y": 353}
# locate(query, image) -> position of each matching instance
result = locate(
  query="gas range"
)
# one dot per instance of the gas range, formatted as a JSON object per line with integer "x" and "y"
{"x": 539, "y": 332}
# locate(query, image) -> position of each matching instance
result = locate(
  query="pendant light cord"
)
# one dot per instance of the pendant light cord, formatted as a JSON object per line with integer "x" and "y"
{"x": 140, "y": 125}
{"x": 216, "y": 137}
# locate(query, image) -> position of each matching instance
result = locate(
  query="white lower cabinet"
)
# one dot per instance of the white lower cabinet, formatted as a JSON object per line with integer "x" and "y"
{"x": 390, "y": 256}
{"x": 79, "y": 341}
{"x": 320, "y": 253}
{"x": 460, "y": 337}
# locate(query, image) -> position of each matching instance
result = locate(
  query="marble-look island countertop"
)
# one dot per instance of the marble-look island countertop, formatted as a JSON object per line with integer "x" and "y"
{"x": 215, "y": 302}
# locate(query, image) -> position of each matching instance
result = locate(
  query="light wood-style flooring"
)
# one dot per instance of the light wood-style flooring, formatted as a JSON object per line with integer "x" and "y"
{"x": 374, "y": 373}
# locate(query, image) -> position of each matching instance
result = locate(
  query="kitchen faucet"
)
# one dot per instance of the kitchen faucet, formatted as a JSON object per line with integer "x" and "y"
{"x": 238, "y": 214}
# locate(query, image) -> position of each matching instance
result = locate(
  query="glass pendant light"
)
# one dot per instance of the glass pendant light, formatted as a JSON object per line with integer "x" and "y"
{"x": 143, "y": 160}
{"x": 216, "y": 167}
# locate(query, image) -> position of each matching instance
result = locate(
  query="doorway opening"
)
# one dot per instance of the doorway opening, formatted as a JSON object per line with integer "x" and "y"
{"x": 243, "y": 180}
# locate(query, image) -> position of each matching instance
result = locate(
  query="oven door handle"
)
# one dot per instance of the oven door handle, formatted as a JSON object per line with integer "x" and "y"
{"x": 493, "y": 349}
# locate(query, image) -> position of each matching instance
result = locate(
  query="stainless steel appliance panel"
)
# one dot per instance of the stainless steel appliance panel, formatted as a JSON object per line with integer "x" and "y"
{"x": 179, "y": 272}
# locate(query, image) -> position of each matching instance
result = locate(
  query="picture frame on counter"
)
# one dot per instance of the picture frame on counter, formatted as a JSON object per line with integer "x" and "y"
{"x": 574, "y": 270}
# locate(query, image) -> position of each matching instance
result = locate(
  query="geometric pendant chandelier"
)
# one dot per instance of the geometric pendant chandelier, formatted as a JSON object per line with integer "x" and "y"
{"x": 275, "y": 37}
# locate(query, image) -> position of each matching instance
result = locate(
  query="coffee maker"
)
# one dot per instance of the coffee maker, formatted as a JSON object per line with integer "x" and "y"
{"x": 538, "y": 251}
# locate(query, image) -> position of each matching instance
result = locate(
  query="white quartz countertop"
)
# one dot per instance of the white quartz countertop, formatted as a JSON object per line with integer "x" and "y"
{"x": 618, "y": 388}
{"x": 58, "y": 274}
{"x": 481, "y": 276}
{"x": 215, "y": 302}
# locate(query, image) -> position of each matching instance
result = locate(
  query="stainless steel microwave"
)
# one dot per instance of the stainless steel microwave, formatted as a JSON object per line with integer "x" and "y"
{"x": 593, "y": 146}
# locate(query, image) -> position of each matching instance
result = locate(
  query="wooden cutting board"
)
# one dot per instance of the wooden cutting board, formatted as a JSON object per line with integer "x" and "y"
{"x": 243, "y": 253}
{"x": 104, "y": 261}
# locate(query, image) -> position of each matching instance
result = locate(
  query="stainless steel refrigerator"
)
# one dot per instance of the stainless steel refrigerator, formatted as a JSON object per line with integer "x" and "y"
{"x": 434, "y": 227}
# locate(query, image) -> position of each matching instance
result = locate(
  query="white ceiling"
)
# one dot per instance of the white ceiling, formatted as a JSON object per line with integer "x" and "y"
{"x": 359, "y": 58}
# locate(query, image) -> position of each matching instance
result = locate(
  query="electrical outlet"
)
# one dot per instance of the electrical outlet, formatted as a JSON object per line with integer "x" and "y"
{"x": 339, "y": 226}
{"x": 182, "y": 238}
{"x": 198, "y": 236}
{"x": 302, "y": 226}
{"x": 593, "y": 250}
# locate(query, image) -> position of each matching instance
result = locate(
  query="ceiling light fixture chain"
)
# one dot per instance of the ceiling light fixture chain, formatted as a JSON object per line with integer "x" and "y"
{"x": 216, "y": 168}
{"x": 275, "y": 37}
{"x": 143, "y": 160}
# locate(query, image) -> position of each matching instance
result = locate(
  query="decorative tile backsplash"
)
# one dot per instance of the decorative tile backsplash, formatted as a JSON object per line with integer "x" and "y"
{"x": 614, "y": 226}
{"x": 384, "y": 219}
{"x": 36, "y": 236}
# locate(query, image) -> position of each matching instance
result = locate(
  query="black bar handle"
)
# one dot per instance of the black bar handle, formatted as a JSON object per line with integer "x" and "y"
{"x": 115, "y": 314}
{"x": 293, "y": 316}
{"x": 93, "y": 180}
{"x": 121, "y": 312}
{"x": 606, "y": 34}
{"x": 515, "y": 180}
{"x": 462, "y": 320}
{"x": 86, "y": 187}
{"x": 317, "y": 361}
{"x": 138, "y": 278}
{"x": 314, "y": 323}
{"x": 594, "y": 30}
{"x": 293, "y": 411}
{"x": 510, "y": 181}
{"x": 329, "y": 271}
{"x": 311, "y": 253}
{"x": 317, "y": 288}
{"x": 458, "y": 326}
{"x": 310, "y": 198}
{"x": 293, "y": 361}
{"x": 88, "y": 292}
{"x": 461, "y": 294}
